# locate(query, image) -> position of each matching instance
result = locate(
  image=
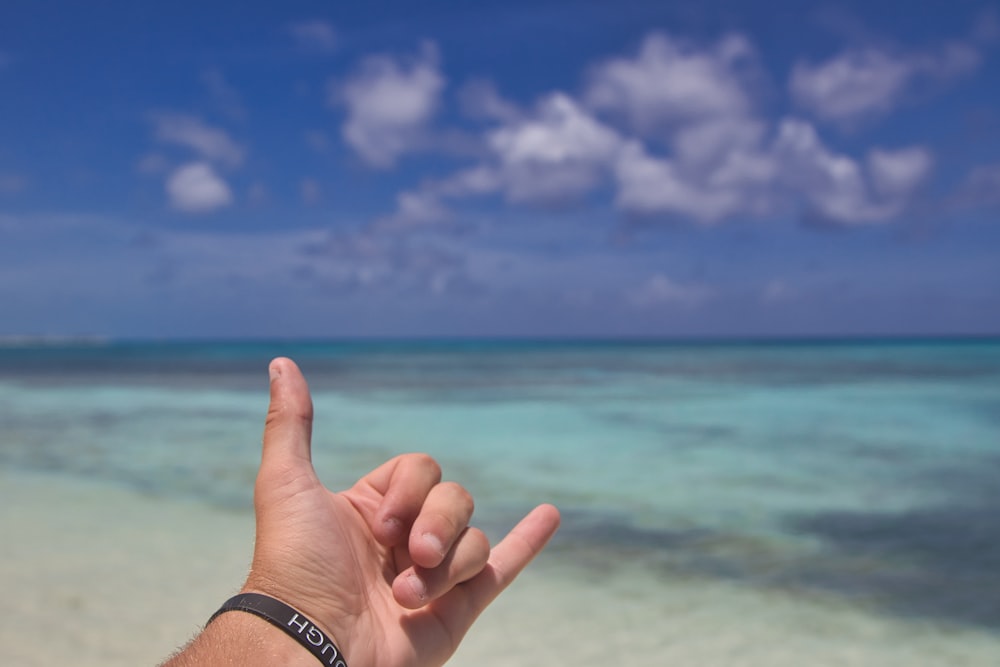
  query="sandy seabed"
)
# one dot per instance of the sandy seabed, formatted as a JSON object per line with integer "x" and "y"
{"x": 104, "y": 577}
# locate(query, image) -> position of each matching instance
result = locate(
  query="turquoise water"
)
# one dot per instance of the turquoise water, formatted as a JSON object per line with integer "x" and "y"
{"x": 867, "y": 470}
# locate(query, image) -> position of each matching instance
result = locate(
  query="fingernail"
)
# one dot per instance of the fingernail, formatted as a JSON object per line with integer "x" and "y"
{"x": 273, "y": 372}
{"x": 431, "y": 540}
{"x": 418, "y": 586}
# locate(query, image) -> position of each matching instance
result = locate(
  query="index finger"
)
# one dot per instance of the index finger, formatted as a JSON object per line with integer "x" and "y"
{"x": 394, "y": 494}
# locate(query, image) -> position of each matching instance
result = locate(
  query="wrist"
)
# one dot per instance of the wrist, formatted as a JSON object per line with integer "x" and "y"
{"x": 325, "y": 613}
{"x": 243, "y": 639}
{"x": 290, "y": 621}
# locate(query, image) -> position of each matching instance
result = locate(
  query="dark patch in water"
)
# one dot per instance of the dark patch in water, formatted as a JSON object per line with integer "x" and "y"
{"x": 939, "y": 562}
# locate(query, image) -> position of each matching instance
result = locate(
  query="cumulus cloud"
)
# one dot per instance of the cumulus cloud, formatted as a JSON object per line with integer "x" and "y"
{"x": 314, "y": 35}
{"x": 722, "y": 159}
{"x": 670, "y": 82}
{"x": 697, "y": 101}
{"x": 210, "y": 143}
{"x": 649, "y": 185}
{"x": 794, "y": 170}
{"x": 550, "y": 156}
{"x": 389, "y": 104}
{"x": 197, "y": 188}
{"x": 835, "y": 187}
{"x": 864, "y": 83}
{"x": 555, "y": 155}
{"x": 674, "y": 130}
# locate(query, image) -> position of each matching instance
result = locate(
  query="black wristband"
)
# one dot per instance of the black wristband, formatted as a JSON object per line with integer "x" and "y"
{"x": 276, "y": 612}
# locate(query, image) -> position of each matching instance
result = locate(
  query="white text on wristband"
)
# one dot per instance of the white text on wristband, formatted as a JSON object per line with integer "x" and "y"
{"x": 279, "y": 614}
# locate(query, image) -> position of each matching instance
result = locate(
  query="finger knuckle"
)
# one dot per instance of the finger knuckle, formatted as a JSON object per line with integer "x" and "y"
{"x": 460, "y": 497}
{"x": 425, "y": 462}
{"x": 478, "y": 539}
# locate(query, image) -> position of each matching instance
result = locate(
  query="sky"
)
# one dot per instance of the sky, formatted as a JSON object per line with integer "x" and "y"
{"x": 549, "y": 168}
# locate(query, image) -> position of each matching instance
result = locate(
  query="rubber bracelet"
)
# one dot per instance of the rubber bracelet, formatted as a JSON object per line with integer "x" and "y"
{"x": 276, "y": 612}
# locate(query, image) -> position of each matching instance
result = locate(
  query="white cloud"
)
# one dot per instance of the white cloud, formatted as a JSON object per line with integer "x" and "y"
{"x": 697, "y": 99}
{"x": 733, "y": 169}
{"x": 648, "y": 185}
{"x": 558, "y": 154}
{"x": 314, "y": 35}
{"x": 699, "y": 149}
{"x": 552, "y": 156}
{"x": 389, "y": 104}
{"x": 853, "y": 84}
{"x": 670, "y": 82}
{"x": 898, "y": 173}
{"x": 864, "y": 83}
{"x": 659, "y": 290}
{"x": 705, "y": 143}
{"x": 832, "y": 184}
{"x": 561, "y": 132}
{"x": 197, "y": 188}
{"x": 210, "y": 143}
{"x": 835, "y": 187}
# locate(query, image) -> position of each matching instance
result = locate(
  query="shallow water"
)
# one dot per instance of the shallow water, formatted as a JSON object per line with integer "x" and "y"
{"x": 867, "y": 471}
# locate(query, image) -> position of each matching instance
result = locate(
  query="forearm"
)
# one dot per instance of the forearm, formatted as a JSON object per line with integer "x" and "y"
{"x": 239, "y": 638}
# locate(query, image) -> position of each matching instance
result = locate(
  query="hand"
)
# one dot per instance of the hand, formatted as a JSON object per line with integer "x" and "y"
{"x": 391, "y": 568}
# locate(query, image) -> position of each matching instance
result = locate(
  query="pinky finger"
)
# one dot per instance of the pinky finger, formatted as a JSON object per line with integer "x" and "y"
{"x": 525, "y": 541}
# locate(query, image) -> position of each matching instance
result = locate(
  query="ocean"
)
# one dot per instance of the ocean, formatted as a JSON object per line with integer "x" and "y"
{"x": 863, "y": 474}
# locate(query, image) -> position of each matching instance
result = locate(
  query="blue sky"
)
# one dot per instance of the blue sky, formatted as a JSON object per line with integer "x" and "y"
{"x": 549, "y": 168}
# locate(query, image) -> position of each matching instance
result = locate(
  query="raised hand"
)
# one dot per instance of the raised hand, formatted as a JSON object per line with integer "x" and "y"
{"x": 391, "y": 568}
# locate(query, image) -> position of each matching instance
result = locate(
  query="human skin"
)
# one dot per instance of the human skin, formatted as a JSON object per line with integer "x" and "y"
{"x": 390, "y": 569}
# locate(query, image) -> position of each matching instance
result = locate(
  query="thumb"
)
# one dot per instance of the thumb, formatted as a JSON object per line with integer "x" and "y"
{"x": 288, "y": 428}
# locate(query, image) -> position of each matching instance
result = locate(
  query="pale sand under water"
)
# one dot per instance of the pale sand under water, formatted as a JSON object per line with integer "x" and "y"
{"x": 101, "y": 577}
